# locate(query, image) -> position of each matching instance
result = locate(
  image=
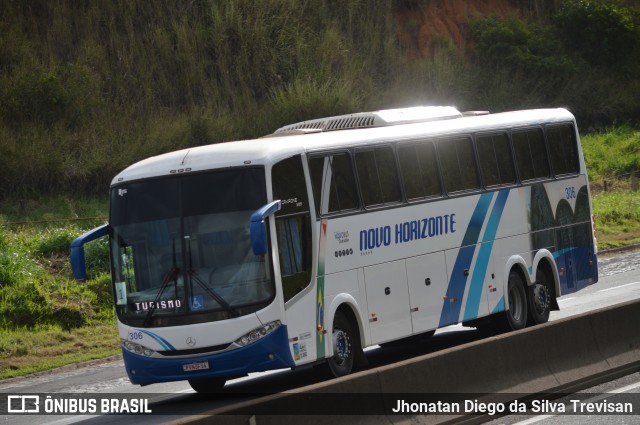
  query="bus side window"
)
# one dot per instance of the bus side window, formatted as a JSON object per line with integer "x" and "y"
{"x": 293, "y": 225}
{"x": 531, "y": 154}
{"x": 496, "y": 161}
{"x": 563, "y": 148}
{"x": 333, "y": 181}
{"x": 458, "y": 163}
{"x": 378, "y": 176}
{"x": 419, "y": 170}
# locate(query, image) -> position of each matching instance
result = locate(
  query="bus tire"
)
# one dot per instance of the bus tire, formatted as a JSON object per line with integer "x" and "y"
{"x": 208, "y": 385}
{"x": 344, "y": 346}
{"x": 516, "y": 316}
{"x": 540, "y": 297}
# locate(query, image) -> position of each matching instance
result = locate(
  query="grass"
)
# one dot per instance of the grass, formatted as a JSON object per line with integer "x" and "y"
{"x": 617, "y": 218}
{"x": 28, "y": 350}
{"x": 47, "y": 319}
{"x": 38, "y": 211}
{"x": 611, "y": 153}
{"x": 611, "y": 156}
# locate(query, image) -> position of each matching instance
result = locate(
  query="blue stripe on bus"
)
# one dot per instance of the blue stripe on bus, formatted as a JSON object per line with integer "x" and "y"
{"x": 163, "y": 342}
{"x": 499, "y": 307}
{"x": 455, "y": 291}
{"x": 477, "y": 219}
{"x": 484, "y": 255}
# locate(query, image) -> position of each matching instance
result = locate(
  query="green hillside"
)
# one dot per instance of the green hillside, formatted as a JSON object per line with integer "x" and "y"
{"x": 87, "y": 88}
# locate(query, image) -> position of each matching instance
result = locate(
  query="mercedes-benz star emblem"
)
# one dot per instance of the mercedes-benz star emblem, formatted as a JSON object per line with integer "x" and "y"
{"x": 191, "y": 342}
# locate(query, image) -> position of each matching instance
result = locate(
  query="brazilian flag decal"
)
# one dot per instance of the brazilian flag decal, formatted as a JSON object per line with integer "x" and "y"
{"x": 320, "y": 351}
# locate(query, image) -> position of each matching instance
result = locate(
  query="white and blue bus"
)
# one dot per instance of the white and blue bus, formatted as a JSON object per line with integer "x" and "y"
{"x": 336, "y": 234}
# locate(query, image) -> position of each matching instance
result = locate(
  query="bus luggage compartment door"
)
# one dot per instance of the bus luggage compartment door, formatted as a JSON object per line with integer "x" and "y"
{"x": 427, "y": 279}
{"x": 388, "y": 301}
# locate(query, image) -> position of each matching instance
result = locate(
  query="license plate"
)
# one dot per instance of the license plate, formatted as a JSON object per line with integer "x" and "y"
{"x": 195, "y": 366}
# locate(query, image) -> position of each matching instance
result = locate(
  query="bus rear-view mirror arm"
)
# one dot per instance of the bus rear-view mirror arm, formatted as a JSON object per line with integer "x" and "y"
{"x": 78, "y": 264}
{"x": 258, "y": 229}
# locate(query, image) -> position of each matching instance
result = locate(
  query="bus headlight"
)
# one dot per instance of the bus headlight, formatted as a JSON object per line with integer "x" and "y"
{"x": 137, "y": 348}
{"x": 258, "y": 333}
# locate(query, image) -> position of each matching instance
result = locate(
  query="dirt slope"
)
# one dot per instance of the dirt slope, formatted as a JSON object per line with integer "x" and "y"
{"x": 417, "y": 27}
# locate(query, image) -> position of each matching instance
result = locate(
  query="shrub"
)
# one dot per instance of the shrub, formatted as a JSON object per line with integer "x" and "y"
{"x": 612, "y": 152}
{"x": 100, "y": 285}
{"x": 97, "y": 257}
{"x": 305, "y": 99}
{"x": 15, "y": 262}
{"x": 36, "y": 287}
{"x": 24, "y": 303}
{"x": 67, "y": 93}
{"x": 602, "y": 33}
{"x": 53, "y": 241}
{"x": 511, "y": 43}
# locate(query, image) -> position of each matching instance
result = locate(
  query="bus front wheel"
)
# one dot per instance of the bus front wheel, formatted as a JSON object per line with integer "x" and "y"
{"x": 516, "y": 316}
{"x": 343, "y": 339}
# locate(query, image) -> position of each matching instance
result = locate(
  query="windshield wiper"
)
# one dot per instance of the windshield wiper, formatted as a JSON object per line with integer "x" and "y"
{"x": 194, "y": 277}
{"x": 171, "y": 275}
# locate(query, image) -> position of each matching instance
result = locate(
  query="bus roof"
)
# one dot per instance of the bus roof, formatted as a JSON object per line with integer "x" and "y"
{"x": 283, "y": 145}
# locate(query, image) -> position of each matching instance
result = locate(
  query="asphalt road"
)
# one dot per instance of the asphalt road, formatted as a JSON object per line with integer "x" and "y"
{"x": 619, "y": 282}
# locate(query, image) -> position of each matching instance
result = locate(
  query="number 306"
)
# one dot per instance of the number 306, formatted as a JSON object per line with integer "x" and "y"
{"x": 570, "y": 192}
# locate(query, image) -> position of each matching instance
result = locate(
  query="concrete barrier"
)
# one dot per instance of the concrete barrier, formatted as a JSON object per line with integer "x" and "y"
{"x": 559, "y": 356}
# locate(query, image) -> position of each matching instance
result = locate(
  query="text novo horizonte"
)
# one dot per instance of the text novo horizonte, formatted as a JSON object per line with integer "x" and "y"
{"x": 407, "y": 231}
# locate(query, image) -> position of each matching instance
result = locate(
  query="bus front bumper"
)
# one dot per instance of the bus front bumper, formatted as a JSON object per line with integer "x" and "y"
{"x": 268, "y": 353}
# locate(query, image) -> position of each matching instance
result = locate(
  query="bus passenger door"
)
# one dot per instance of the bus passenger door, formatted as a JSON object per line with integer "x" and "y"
{"x": 388, "y": 301}
{"x": 427, "y": 278}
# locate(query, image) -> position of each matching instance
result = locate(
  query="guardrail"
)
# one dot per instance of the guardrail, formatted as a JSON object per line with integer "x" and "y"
{"x": 560, "y": 356}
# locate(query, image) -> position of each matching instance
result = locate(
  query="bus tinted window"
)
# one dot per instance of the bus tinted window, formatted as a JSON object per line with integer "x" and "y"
{"x": 496, "y": 162}
{"x": 293, "y": 226}
{"x": 531, "y": 154}
{"x": 419, "y": 170}
{"x": 289, "y": 186}
{"x": 333, "y": 182}
{"x": 458, "y": 164}
{"x": 563, "y": 150}
{"x": 378, "y": 176}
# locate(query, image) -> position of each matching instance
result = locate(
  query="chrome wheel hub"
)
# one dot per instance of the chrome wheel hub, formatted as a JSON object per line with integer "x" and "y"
{"x": 540, "y": 297}
{"x": 341, "y": 349}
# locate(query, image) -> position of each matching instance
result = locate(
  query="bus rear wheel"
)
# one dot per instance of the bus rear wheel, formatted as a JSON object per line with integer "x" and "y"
{"x": 208, "y": 385}
{"x": 540, "y": 296}
{"x": 516, "y": 316}
{"x": 343, "y": 339}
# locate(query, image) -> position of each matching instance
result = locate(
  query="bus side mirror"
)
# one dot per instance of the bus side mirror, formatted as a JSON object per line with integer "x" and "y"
{"x": 78, "y": 265}
{"x": 258, "y": 229}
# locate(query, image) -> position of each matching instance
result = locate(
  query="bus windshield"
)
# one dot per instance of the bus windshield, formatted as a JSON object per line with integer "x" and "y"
{"x": 181, "y": 252}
